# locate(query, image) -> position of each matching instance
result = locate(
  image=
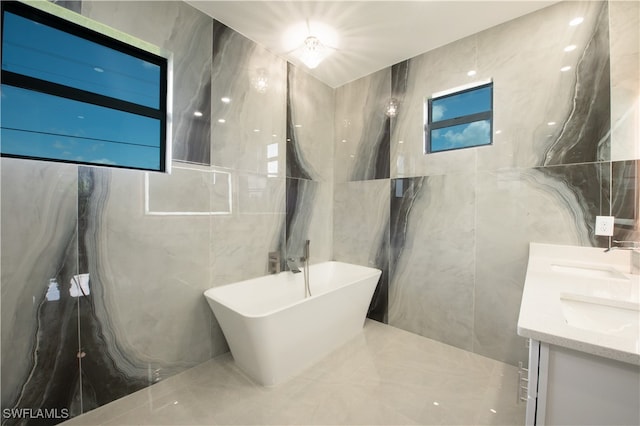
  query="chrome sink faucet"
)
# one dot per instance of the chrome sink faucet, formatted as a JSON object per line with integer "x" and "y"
{"x": 624, "y": 245}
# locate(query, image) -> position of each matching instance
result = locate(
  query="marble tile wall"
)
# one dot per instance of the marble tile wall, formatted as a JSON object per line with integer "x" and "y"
{"x": 103, "y": 270}
{"x": 309, "y": 138}
{"x": 361, "y": 173}
{"x": 460, "y": 221}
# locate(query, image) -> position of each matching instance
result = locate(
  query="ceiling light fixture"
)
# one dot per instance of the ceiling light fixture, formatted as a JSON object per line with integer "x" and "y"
{"x": 312, "y": 52}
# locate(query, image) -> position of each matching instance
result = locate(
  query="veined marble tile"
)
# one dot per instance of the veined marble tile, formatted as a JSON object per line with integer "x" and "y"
{"x": 167, "y": 194}
{"x": 187, "y": 33}
{"x": 624, "y": 19}
{"x": 309, "y": 217}
{"x": 39, "y": 260}
{"x": 625, "y": 199}
{"x": 515, "y": 207}
{"x": 310, "y": 106}
{"x": 361, "y": 232}
{"x": 565, "y": 93}
{"x": 584, "y": 189}
{"x": 585, "y": 129}
{"x": 523, "y": 58}
{"x": 248, "y": 105}
{"x": 240, "y": 245}
{"x": 413, "y": 81}
{"x": 190, "y": 190}
{"x": 241, "y": 241}
{"x": 362, "y": 128}
{"x": 146, "y": 275}
{"x": 432, "y": 257}
{"x": 260, "y": 194}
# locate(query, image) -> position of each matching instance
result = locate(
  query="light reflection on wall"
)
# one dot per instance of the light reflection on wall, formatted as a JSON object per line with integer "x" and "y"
{"x": 79, "y": 285}
{"x": 272, "y": 163}
{"x": 53, "y": 291}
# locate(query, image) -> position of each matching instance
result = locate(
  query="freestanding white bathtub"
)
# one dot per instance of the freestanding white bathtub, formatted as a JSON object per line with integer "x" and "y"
{"x": 274, "y": 332}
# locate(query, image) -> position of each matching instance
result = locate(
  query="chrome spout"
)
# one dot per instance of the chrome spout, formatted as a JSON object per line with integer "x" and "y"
{"x": 293, "y": 265}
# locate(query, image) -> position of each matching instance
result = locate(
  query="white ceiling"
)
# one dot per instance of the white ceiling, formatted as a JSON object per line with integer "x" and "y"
{"x": 365, "y": 36}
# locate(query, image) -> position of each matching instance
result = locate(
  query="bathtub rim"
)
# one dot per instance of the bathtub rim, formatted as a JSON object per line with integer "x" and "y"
{"x": 370, "y": 273}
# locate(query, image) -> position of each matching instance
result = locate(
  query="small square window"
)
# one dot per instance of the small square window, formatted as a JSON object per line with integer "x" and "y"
{"x": 459, "y": 119}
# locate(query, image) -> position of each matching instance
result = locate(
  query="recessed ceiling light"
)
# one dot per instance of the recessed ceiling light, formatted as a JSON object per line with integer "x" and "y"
{"x": 564, "y": 69}
{"x": 197, "y": 114}
{"x": 570, "y": 47}
{"x": 225, "y": 100}
{"x": 551, "y": 123}
{"x": 576, "y": 21}
{"x": 297, "y": 125}
{"x": 222, "y": 120}
{"x": 471, "y": 73}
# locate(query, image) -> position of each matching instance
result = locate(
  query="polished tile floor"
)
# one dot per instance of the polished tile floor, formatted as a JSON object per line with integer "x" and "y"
{"x": 384, "y": 376}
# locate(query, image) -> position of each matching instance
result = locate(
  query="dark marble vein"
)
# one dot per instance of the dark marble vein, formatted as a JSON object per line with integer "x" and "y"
{"x": 295, "y": 162}
{"x": 300, "y": 200}
{"x": 585, "y": 134}
{"x": 404, "y": 193}
{"x": 103, "y": 380}
{"x": 589, "y": 184}
{"x": 53, "y": 377}
{"x": 191, "y": 134}
{"x": 379, "y": 306}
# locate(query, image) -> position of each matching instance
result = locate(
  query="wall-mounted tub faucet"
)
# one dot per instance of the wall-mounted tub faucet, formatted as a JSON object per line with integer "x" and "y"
{"x": 295, "y": 264}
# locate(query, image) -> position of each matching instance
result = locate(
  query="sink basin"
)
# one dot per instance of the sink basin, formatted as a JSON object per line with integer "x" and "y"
{"x": 609, "y": 316}
{"x": 589, "y": 271}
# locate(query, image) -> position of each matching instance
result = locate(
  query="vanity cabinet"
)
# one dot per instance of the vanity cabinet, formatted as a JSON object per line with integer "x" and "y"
{"x": 569, "y": 387}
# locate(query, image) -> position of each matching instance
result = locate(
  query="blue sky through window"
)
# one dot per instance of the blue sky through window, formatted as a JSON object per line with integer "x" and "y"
{"x": 43, "y": 52}
{"x": 40, "y": 125}
{"x": 67, "y": 98}
{"x": 461, "y": 136}
{"x": 460, "y": 119}
{"x": 461, "y": 104}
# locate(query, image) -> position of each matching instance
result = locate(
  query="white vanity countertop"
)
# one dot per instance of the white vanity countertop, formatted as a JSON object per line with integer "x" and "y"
{"x": 565, "y": 285}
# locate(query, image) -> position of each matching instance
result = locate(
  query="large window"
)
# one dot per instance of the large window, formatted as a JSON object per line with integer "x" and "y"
{"x": 459, "y": 119}
{"x": 73, "y": 94}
